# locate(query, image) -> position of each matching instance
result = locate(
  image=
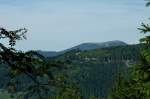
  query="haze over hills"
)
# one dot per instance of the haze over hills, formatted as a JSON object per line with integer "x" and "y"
{"x": 84, "y": 46}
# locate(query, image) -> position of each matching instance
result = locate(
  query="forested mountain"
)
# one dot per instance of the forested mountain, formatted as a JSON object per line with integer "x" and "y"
{"x": 48, "y": 53}
{"x": 93, "y": 71}
{"x": 84, "y": 46}
{"x": 90, "y": 70}
{"x": 91, "y": 46}
{"x": 96, "y": 70}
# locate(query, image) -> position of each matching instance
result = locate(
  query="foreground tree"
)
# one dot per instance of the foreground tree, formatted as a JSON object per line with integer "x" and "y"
{"x": 28, "y": 70}
{"x": 138, "y": 84}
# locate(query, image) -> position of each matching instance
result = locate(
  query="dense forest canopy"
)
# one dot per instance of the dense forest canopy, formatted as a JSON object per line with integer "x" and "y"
{"x": 29, "y": 68}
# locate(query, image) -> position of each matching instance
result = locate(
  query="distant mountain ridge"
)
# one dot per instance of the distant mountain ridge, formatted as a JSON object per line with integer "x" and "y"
{"x": 48, "y": 53}
{"x": 91, "y": 46}
{"x": 84, "y": 46}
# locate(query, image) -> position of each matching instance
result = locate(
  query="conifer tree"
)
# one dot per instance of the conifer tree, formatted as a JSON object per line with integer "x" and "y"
{"x": 138, "y": 84}
{"x": 27, "y": 66}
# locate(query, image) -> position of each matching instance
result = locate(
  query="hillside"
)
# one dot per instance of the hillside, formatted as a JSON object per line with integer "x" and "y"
{"x": 95, "y": 70}
{"x": 91, "y": 46}
{"x": 83, "y": 47}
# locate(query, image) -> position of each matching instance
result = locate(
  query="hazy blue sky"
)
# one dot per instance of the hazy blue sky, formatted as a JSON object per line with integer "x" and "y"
{"x": 60, "y": 24}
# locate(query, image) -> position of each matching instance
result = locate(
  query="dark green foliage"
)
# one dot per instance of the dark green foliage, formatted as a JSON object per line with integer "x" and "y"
{"x": 95, "y": 71}
{"x": 118, "y": 53}
{"x": 124, "y": 89}
{"x": 96, "y": 79}
{"x": 137, "y": 86}
{"x": 28, "y": 72}
{"x": 77, "y": 73}
{"x": 148, "y": 3}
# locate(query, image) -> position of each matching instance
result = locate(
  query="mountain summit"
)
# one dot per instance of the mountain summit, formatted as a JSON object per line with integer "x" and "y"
{"x": 91, "y": 46}
{"x": 84, "y": 46}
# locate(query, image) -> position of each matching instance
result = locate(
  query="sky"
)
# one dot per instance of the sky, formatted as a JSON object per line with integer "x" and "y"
{"x": 55, "y": 25}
